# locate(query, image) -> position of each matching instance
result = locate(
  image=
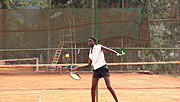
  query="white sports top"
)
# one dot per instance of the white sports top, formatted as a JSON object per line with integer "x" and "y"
{"x": 97, "y": 56}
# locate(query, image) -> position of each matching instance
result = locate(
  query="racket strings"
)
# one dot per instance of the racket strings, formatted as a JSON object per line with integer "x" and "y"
{"x": 75, "y": 76}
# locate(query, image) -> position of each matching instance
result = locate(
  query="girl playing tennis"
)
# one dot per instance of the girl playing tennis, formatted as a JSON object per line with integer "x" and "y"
{"x": 96, "y": 58}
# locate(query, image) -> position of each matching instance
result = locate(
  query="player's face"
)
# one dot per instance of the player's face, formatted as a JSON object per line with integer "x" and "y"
{"x": 91, "y": 43}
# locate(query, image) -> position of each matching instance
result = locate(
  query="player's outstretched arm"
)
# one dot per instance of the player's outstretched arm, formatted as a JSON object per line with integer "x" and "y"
{"x": 84, "y": 66}
{"x": 112, "y": 51}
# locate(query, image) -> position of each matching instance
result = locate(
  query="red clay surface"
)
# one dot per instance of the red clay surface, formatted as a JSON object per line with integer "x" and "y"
{"x": 62, "y": 88}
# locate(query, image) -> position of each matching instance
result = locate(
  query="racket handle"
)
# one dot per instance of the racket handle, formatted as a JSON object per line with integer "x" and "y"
{"x": 76, "y": 69}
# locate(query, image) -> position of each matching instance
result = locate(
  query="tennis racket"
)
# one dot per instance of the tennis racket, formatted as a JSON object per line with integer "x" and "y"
{"x": 74, "y": 74}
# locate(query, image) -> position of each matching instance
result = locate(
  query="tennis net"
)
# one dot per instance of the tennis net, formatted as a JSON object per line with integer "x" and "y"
{"x": 171, "y": 67}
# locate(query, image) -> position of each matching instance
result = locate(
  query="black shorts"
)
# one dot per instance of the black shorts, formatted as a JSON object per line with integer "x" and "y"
{"x": 101, "y": 72}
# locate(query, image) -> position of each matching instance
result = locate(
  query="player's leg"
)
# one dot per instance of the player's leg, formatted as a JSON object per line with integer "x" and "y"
{"x": 107, "y": 80}
{"x": 93, "y": 88}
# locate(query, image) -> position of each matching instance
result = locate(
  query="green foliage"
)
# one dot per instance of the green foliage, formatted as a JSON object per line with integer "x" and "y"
{"x": 72, "y": 4}
{"x": 23, "y": 4}
{"x": 44, "y": 4}
{"x": 164, "y": 32}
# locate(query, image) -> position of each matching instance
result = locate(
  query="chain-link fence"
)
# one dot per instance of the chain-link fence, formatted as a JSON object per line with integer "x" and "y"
{"x": 81, "y": 55}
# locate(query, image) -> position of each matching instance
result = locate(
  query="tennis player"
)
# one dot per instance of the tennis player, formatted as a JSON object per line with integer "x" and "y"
{"x": 100, "y": 69}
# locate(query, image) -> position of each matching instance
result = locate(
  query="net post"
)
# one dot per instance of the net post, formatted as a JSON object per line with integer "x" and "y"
{"x": 174, "y": 72}
{"x": 37, "y": 62}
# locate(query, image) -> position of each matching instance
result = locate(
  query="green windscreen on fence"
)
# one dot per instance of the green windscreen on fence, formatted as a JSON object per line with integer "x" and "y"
{"x": 23, "y": 29}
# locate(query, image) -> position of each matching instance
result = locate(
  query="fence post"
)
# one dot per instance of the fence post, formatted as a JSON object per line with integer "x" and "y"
{"x": 179, "y": 60}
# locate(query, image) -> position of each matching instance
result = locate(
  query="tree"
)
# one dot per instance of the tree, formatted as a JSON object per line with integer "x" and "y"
{"x": 164, "y": 29}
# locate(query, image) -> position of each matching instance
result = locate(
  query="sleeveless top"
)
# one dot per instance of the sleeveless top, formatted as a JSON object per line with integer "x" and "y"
{"x": 97, "y": 56}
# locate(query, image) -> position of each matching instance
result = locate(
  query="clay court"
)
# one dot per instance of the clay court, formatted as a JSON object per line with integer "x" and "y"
{"x": 131, "y": 87}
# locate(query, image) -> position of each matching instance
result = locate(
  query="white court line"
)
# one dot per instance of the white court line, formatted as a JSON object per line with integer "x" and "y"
{"x": 40, "y": 99}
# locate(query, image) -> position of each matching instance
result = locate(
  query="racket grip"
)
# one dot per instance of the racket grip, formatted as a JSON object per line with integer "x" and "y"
{"x": 76, "y": 69}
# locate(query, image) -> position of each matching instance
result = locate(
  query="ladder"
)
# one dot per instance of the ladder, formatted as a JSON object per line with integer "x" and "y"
{"x": 66, "y": 36}
{"x": 57, "y": 53}
{"x": 60, "y": 45}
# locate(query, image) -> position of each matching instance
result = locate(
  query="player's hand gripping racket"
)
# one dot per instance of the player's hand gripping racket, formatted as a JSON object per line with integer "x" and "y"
{"x": 74, "y": 74}
{"x": 123, "y": 53}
